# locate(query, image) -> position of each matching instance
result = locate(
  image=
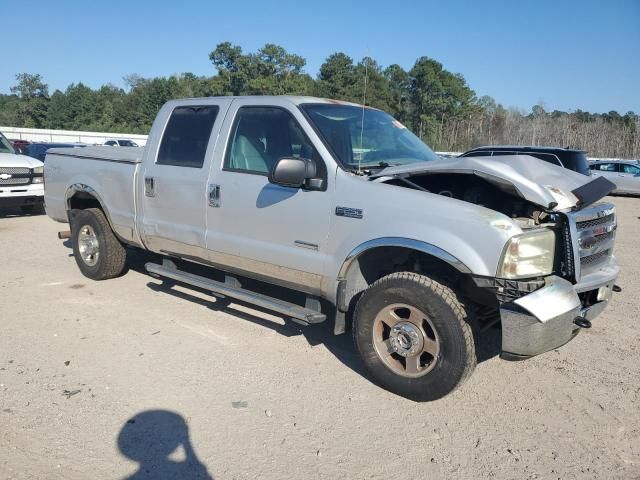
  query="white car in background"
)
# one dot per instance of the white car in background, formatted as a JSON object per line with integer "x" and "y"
{"x": 120, "y": 142}
{"x": 624, "y": 173}
{"x": 21, "y": 179}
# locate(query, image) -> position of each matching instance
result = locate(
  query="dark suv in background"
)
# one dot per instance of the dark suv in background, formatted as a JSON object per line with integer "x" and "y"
{"x": 570, "y": 158}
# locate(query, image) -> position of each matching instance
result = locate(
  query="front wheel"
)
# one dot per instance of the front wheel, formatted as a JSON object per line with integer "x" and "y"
{"x": 98, "y": 252}
{"x": 414, "y": 337}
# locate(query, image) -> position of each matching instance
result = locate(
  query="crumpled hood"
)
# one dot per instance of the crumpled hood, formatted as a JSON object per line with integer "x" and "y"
{"x": 535, "y": 180}
{"x": 24, "y": 161}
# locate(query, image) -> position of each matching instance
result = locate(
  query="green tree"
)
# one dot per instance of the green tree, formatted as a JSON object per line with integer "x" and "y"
{"x": 438, "y": 96}
{"x": 33, "y": 94}
{"x": 337, "y": 77}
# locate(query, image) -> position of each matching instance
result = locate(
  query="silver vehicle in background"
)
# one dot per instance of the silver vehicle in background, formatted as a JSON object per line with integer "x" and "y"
{"x": 624, "y": 173}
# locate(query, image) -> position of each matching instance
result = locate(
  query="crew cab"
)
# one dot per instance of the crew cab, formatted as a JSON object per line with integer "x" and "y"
{"x": 20, "y": 179}
{"x": 353, "y": 219}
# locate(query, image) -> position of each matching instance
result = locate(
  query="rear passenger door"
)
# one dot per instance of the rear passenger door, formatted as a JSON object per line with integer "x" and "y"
{"x": 173, "y": 179}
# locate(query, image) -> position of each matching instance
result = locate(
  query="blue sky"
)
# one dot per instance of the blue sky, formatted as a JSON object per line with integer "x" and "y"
{"x": 571, "y": 54}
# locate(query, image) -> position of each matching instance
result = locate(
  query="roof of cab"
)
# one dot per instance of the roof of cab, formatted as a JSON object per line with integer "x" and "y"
{"x": 295, "y": 99}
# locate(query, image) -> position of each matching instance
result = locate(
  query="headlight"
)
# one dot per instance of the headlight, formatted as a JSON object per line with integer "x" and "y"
{"x": 38, "y": 173}
{"x": 528, "y": 255}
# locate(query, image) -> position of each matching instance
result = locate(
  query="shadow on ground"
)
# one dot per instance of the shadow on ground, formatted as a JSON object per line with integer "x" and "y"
{"x": 17, "y": 212}
{"x": 158, "y": 440}
{"x": 341, "y": 346}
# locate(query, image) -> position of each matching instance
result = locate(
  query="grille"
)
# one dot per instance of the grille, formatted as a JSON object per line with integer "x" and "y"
{"x": 605, "y": 237}
{"x": 589, "y": 259}
{"x": 595, "y": 222}
{"x": 15, "y": 170}
{"x": 595, "y": 228}
{"x": 18, "y": 176}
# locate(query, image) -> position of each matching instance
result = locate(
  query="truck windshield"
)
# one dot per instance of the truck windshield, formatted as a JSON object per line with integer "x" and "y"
{"x": 366, "y": 137}
{"x": 5, "y": 146}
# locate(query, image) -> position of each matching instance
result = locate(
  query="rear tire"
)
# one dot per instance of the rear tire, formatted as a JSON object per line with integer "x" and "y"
{"x": 413, "y": 335}
{"x": 98, "y": 252}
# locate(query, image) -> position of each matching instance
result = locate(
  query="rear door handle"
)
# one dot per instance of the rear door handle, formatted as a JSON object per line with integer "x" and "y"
{"x": 149, "y": 187}
{"x": 214, "y": 195}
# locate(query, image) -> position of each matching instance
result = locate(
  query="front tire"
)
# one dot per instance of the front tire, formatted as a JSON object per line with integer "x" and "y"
{"x": 413, "y": 335}
{"x": 98, "y": 252}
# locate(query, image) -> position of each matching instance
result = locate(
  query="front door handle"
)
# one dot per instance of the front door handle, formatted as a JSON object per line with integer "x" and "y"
{"x": 214, "y": 195}
{"x": 149, "y": 190}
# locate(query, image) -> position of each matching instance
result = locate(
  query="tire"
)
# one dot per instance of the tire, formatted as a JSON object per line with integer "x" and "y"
{"x": 430, "y": 320}
{"x": 91, "y": 232}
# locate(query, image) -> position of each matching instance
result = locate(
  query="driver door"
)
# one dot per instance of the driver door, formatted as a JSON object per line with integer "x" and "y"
{"x": 269, "y": 231}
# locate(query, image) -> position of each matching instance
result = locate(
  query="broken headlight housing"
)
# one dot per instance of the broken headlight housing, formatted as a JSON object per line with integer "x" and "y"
{"x": 528, "y": 255}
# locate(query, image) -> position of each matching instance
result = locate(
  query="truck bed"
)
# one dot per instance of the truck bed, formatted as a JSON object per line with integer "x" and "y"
{"x": 110, "y": 171}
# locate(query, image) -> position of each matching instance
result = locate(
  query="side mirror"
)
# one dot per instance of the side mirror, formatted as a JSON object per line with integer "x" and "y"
{"x": 292, "y": 171}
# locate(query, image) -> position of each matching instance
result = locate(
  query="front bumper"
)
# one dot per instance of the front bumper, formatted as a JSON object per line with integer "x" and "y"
{"x": 15, "y": 196}
{"x": 544, "y": 320}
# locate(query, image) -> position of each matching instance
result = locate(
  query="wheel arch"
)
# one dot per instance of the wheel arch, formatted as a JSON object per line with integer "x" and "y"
{"x": 377, "y": 258}
{"x": 80, "y": 196}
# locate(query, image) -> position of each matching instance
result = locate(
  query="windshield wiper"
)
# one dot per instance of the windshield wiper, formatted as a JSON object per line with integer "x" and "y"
{"x": 367, "y": 169}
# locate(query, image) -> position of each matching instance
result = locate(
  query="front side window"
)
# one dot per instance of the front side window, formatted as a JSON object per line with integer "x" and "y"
{"x": 262, "y": 135}
{"x": 630, "y": 169}
{"x": 365, "y": 137}
{"x": 185, "y": 139}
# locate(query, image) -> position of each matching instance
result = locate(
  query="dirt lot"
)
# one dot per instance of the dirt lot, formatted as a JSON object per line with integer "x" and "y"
{"x": 103, "y": 380}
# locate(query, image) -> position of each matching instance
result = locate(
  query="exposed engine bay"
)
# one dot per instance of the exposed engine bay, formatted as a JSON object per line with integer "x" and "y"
{"x": 476, "y": 190}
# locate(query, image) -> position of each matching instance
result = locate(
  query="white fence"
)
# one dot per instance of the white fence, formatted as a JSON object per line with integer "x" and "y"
{"x": 66, "y": 136}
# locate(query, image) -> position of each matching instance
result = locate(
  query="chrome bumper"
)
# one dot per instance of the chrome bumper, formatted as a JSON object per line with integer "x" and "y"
{"x": 544, "y": 320}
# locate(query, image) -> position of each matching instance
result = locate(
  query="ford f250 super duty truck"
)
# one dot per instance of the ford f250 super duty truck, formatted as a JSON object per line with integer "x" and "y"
{"x": 346, "y": 211}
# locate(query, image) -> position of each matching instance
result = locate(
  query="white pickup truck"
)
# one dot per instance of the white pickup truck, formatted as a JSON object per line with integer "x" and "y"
{"x": 21, "y": 179}
{"x": 355, "y": 220}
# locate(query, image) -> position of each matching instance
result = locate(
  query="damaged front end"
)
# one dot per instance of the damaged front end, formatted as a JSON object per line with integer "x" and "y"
{"x": 543, "y": 311}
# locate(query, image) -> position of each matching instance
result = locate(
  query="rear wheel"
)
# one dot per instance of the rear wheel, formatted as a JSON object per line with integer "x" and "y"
{"x": 414, "y": 337}
{"x": 98, "y": 252}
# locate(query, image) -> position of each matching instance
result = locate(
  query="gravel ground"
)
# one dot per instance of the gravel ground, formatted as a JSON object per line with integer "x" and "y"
{"x": 111, "y": 379}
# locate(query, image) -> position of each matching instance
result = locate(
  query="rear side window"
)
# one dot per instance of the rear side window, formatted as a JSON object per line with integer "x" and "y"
{"x": 547, "y": 157}
{"x": 576, "y": 161}
{"x": 606, "y": 167}
{"x": 186, "y": 136}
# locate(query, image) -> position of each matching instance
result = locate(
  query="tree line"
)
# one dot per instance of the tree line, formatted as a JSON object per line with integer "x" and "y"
{"x": 438, "y": 105}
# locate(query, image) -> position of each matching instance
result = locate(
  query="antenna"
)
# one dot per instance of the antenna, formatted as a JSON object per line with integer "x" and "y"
{"x": 364, "y": 100}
